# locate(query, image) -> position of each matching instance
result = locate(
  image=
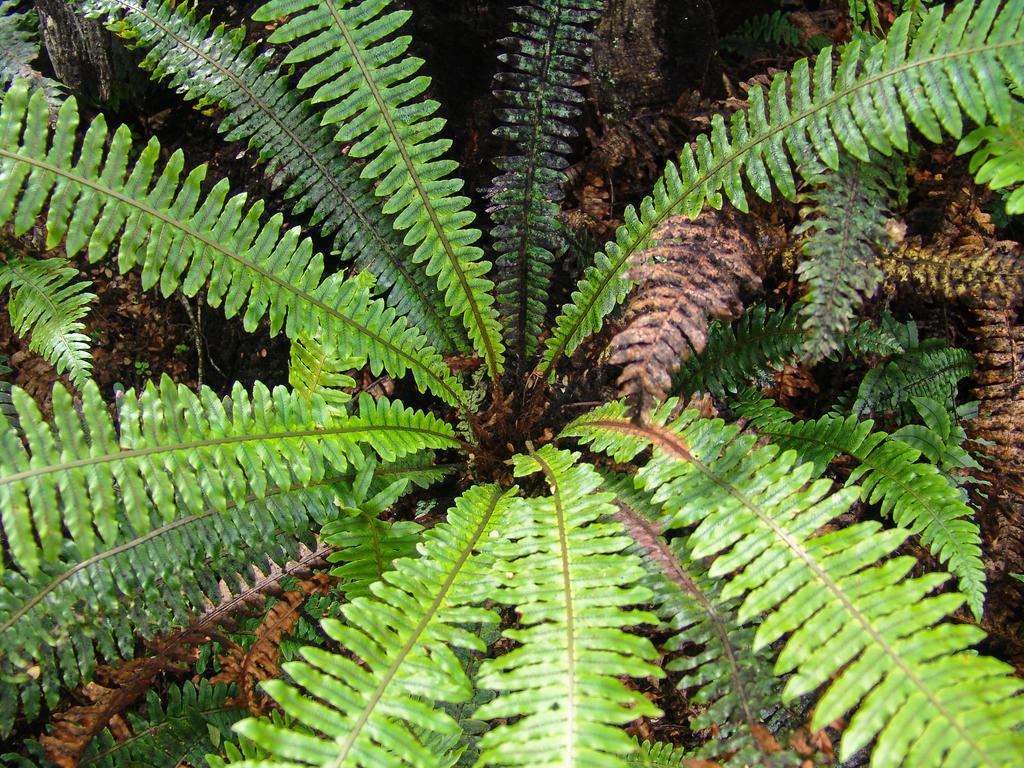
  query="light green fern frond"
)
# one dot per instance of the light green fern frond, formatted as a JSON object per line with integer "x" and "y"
{"x": 94, "y": 201}
{"x": 314, "y": 370}
{"x": 998, "y": 158}
{"x": 89, "y": 512}
{"x": 952, "y": 64}
{"x": 855, "y": 626}
{"x": 179, "y": 732}
{"x": 369, "y": 702}
{"x": 47, "y": 307}
{"x": 213, "y": 65}
{"x": 655, "y": 754}
{"x": 572, "y": 586}
{"x": 915, "y": 494}
{"x": 7, "y": 411}
{"x": 359, "y": 68}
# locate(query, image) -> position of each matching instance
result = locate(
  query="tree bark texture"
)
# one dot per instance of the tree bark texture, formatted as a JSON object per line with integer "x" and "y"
{"x": 87, "y": 58}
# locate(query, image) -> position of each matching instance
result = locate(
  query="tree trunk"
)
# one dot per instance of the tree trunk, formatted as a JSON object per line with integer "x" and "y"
{"x": 88, "y": 59}
{"x": 650, "y": 51}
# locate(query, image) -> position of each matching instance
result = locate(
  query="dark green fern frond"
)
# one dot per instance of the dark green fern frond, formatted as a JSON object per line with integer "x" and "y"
{"x": 46, "y": 307}
{"x": 774, "y": 28}
{"x": 19, "y": 47}
{"x": 954, "y": 64}
{"x": 926, "y": 368}
{"x": 844, "y": 226}
{"x": 358, "y": 66}
{"x": 213, "y": 65}
{"x": 91, "y": 513}
{"x": 998, "y": 158}
{"x": 761, "y": 342}
{"x": 915, "y": 494}
{"x": 183, "y": 731}
{"x": 369, "y": 702}
{"x": 93, "y": 201}
{"x": 837, "y": 595}
{"x": 548, "y": 52}
{"x": 732, "y": 684}
{"x": 572, "y": 587}
{"x": 8, "y": 414}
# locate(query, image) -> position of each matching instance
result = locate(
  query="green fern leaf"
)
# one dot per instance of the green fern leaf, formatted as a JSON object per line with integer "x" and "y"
{"x": 125, "y": 508}
{"x": 998, "y": 157}
{"x": 364, "y": 544}
{"x": 358, "y": 66}
{"x": 47, "y": 307}
{"x": 861, "y": 631}
{"x": 731, "y": 683}
{"x": 926, "y": 368}
{"x": 314, "y": 370}
{"x": 180, "y": 732}
{"x": 916, "y": 494}
{"x": 954, "y": 64}
{"x": 844, "y": 226}
{"x": 571, "y": 584}
{"x": 548, "y": 51}
{"x": 184, "y": 240}
{"x": 213, "y": 65}
{"x": 655, "y": 754}
{"x": 760, "y": 343}
{"x": 399, "y": 660}
{"x": 8, "y": 415}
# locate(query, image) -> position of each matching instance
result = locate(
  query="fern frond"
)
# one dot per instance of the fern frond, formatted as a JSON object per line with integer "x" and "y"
{"x": 915, "y": 494}
{"x": 548, "y": 52}
{"x": 926, "y": 368}
{"x": 844, "y": 225}
{"x": 180, "y": 732}
{"x": 998, "y": 159}
{"x": 696, "y": 270}
{"x": 369, "y": 701}
{"x": 953, "y": 64}
{"x": 183, "y": 239}
{"x": 733, "y": 684}
{"x": 656, "y": 754}
{"x": 999, "y": 387}
{"x": 47, "y": 307}
{"x": 358, "y": 66}
{"x": 314, "y": 370}
{"x": 257, "y": 467}
{"x": 775, "y": 28}
{"x": 213, "y": 65}
{"x": 8, "y": 414}
{"x": 977, "y": 275}
{"x": 762, "y": 341}
{"x": 571, "y": 584}
{"x": 861, "y": 631}
{"x": 364, "y": 544}
{"x": 19, "y": 47}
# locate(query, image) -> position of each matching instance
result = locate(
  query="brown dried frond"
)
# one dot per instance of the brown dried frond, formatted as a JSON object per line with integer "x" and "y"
{"x": 976, "y": 270}
{"x": 114, "y": 691}
{"x": 999, "y": 388}
{"x": 260, "y": 661}
{"x": 696, "y": 269}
